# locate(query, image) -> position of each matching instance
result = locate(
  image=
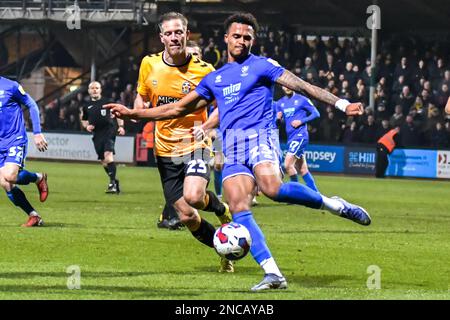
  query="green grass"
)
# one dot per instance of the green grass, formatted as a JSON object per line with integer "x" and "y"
{"x": 122, "y": 255}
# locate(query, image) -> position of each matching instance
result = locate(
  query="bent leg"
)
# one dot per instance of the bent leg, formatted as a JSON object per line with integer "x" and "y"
{"x": 306, "y": 175}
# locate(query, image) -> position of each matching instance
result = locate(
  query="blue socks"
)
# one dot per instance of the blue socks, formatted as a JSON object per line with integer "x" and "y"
{"x": 309, "y": 180}
{"x": 18, "y": 198}
{"x": 258, "y": 249}
{"x": 218, "y": 182}
{"x": 296, "y": 193}
{"x": 26, "y": 177}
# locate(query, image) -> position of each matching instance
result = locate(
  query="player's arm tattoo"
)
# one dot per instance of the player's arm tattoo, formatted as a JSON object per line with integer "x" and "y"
{"x": 291, "y": 81}
{"x": 189, "y": 104}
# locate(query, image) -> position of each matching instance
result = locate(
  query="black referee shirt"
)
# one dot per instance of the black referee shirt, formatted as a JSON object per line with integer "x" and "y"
{"x": 97, "y": 116}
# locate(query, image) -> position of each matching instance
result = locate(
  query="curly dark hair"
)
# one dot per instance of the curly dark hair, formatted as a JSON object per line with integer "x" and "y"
{"x": 244, "y": 18}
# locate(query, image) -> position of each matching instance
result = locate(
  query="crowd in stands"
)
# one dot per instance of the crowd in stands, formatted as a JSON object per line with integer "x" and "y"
{"x": 412, "y": 86}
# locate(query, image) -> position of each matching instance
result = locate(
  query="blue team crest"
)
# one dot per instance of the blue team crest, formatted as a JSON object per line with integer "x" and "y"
{"x": 186, "y": 87}
{"x": 244, "y": 71}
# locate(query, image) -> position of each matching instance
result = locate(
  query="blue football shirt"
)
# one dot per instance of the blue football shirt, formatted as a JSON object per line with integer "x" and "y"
{"x": 12, "y": 123}
{"x": 297, "y": 107}
{"x": 244, "y": 93}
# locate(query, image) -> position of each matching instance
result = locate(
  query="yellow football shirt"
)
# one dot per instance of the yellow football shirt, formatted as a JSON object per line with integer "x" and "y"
{"x": 162, "y": 84}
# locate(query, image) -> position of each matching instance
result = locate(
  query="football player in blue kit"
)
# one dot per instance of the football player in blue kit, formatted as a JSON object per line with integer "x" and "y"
{"x": 243, "y": 90}
{"x": 297, "y": 110}
{"x": 13, "y": 148}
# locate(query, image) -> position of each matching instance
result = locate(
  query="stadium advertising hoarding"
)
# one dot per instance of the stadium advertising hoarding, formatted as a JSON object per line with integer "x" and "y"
{"x": 322, "y": 158}
{"x": 360, "y": 160}
{"x": 325, "y": 158}
{"x": 79, "y": 147}
{"x": 413, "y": 163}
{"x": 443, "y": 164}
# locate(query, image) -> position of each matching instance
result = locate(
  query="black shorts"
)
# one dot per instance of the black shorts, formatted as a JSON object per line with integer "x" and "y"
{"x": 104, "y": 141}
{"x": 173, "y": 171}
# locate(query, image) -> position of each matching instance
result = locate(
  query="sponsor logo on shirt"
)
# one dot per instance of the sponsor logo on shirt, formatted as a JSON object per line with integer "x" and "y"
{"x": 165, "y": 100}
{"x": 218, "y": 79}
{"x": 244, "y": 71}
{"x": 231, "y": 92}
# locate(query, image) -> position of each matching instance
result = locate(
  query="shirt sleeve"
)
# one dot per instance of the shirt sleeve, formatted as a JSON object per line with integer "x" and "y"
{"x": 24, "y": 98}
{"x": 271, "y": 69}
{"x": 144, "y": 70}
{"x": 204, "y": 90}
{"x": 84, "y": 115}
{"x": 311, "y": 109}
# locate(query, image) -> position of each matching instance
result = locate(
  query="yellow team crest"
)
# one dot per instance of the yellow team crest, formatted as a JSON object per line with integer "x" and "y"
{"x": 186, "y": 87}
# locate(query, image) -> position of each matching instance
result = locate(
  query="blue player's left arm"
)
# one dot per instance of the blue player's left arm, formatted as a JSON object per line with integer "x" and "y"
{"x": 24, "y": 98}
{"x": 313, "y": 114}
{"x": 291, "y": 81}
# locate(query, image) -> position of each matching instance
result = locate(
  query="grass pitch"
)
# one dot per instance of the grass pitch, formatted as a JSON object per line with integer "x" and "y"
{"x": 122, "y": 255}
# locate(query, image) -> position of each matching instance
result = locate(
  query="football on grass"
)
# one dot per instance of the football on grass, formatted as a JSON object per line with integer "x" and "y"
{"x": 232, "y": 241}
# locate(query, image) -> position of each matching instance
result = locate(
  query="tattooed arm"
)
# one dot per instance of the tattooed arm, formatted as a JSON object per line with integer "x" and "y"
{"x": 447, "y": 107}
{"x": 291, "y": 81}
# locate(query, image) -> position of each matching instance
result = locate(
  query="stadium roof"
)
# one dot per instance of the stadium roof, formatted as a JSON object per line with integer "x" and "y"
{"x": 398, "y": 15}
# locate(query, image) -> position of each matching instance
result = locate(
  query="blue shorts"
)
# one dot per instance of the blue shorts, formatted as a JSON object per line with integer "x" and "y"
{"x": 14, "y": 154}
{"x": 242, "y": 156}
{"x": 297, "y": 147}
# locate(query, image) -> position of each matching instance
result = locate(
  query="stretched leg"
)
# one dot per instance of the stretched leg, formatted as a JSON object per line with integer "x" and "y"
{"x": 239, "y": 191}
{"x": 302, "y": 167}
{"x": 111, "y": 170}
{"x": 25, "y": 177}
{"x": 218, "y": 183}
{"x": 269, "y": 180}
{"x": 218, "y": 166}
{"x": 291, "y": 169}
{"x": 194, "y": 188}
{"x": 8, "y": 179}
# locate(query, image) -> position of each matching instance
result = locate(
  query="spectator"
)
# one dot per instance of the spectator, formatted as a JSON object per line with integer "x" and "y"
{"x": 329, "y": 129}
{"x": 403, "y": 69}
{"x": 442, "y": 96}
{"x": 350, "y": 133}
{"x": 398, "y": 118}
{"x": 368, "y": 131}
{"x": 405, "y": 99}
{"x": 410, "y": 135}
{"x": 439, "y": 136}
{"x": 383, "y": 129}
{"x": 309, "y": 68}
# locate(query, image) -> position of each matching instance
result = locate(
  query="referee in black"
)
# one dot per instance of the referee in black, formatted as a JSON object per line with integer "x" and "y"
{"x": 97, "y": 120}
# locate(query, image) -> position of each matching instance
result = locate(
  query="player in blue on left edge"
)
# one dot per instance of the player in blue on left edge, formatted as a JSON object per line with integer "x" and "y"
{"x": 13, "y": 148}
{"x": 297, "y": 110}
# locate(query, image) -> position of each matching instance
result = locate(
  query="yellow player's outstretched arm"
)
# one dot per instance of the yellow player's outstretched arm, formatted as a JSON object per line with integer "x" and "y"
{"x": 189, "y": 104}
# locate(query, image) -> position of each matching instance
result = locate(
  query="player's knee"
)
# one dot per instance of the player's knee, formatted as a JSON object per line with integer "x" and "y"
{"x": 195, "y": 198}
{"x": 290, "y": 169}
{"x": 304, "y": 171}
{"x": 9, "y": 177}
{"x": 270, "y": 190}
{"x": 241, "y": 205}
